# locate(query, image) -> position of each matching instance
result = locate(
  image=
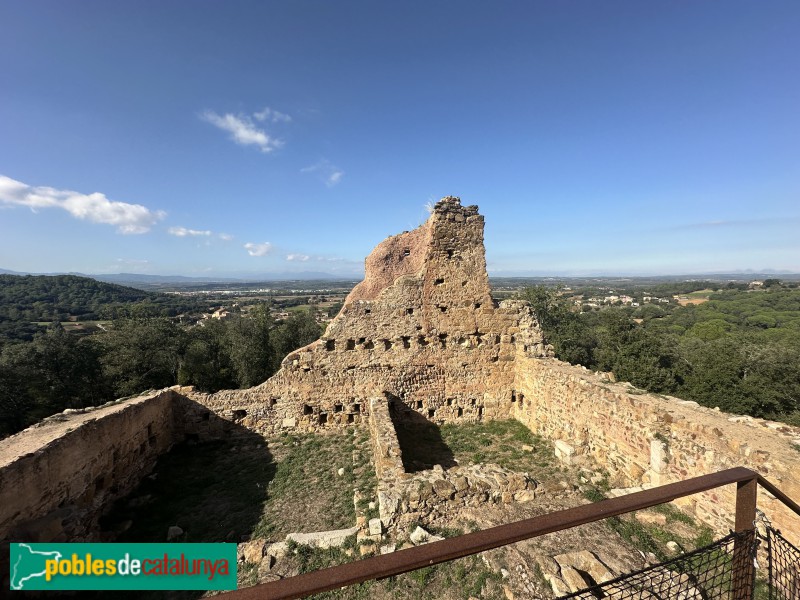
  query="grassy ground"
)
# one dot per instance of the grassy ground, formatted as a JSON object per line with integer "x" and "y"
{"x": 307, "y": 493}
{"x": 223, "y": 491}
{"x": 501, "y": 442}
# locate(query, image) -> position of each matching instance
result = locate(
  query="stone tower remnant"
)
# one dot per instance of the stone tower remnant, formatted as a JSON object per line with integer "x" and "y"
{"x": 420, "y": 338}
{"x": 422, "y": 328}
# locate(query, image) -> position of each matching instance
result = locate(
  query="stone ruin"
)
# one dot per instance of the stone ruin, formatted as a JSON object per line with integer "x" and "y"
{"x": 421, "y": 329}
{"x": 419, "y": 340}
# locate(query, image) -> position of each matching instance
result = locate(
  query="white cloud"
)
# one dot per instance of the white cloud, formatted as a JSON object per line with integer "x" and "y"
{"x": 300, "y": 257}
{"x": 258, "y": 249}
{"x": 127, "y": 218}
{"x": 272, "y": 115}
{"x": 327, "y": 172}
{"x": 184, "y": 232}
{"x": 227, "y": 237}
{"x": 242, "y": 129}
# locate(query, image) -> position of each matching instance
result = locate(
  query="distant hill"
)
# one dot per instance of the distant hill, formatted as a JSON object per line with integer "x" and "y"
{"x": 136, "y": 279}
{"x": 39, "y": 297}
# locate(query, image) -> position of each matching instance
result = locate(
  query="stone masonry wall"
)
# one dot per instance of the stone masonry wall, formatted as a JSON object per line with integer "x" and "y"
{"x": 422, "y": 326}
{"x": 386, "y": 452}
{"x": 643, "y": 439}
{"x": 58, "y": 477}
{"x": 406, "y": 498}
{"x": 422, "y": 330}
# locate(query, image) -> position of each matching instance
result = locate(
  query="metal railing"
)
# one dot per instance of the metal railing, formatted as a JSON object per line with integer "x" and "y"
{"x": 403, "y": 561}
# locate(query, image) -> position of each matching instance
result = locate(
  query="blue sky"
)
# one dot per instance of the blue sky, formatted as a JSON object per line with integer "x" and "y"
{"x": 241, "y": 138}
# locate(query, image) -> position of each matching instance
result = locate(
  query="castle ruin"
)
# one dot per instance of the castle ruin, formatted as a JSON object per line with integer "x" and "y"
{"x": 420, "y": 338}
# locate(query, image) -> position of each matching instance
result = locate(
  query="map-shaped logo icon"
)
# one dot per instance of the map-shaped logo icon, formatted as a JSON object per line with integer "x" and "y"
{"x": 27, "y": 563}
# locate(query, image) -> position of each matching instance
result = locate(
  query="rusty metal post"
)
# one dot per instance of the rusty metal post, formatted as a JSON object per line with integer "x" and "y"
{"x": 743, "y": 576}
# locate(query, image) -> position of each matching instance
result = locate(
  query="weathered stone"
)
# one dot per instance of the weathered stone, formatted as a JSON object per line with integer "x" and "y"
{"x": 419, "y": 536}
{"x": 658, "y": 455}
{"x": 375, "y": 527}
{"x": 635, "y": 471}
{"x": 443, "y": 488}
{"x": 388, "y": 548}
{"x": 323, "y": 539}
{"x": 252, "y": 551}
{"x": 525, "y": 496}
{"x": 421, "y": 333}
{"x": 650, "y": 518}
{"x": 564, "y": 452}
{"x": 573, "y": 579}
{"x": 461, "y": 484}
{"x": 277, "y": 549}
{"x": 586, "y": 562}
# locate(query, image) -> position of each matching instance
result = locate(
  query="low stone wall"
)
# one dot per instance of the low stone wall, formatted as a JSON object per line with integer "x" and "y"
{"x": 644, "y": 439}
{"x": 406, "y": 498}
{"x": 58, "y": 477}
{"x": 387, "y": 456}
{"x": 431, "y": 495}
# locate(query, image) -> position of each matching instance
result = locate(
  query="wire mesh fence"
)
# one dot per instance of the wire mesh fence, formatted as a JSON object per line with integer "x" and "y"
{"x": 783, "y": 566}
{"x": 718, "y": 571}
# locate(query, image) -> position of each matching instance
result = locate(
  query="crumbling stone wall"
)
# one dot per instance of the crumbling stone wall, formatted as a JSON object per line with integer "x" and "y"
{"x": 424, "y": 497}
{"x": 58, "y": 477}
{"x": 644, "y": 439}
{"x": 421, "y": 326}
{"x": 386, "y": 452}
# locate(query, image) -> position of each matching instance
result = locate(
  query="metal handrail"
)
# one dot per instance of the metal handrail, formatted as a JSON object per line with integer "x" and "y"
{"x": 788, "y": 502}
{"x": 402, "y": 561}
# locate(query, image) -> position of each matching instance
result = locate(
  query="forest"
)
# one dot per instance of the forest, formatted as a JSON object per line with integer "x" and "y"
{"x": 738, "y": 351}
{"x": 44, "y": 369}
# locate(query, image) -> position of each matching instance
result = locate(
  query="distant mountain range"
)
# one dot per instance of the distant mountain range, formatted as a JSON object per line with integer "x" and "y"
{"x": 141, "y": 278}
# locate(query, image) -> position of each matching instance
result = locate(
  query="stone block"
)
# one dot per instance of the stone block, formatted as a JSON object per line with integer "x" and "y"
{"x": 375, "y": 527}
{"x": 443, "y": 488}
{"x": 323, "y": 539}
{"x": 252, "y": 551}
{"x": 659, "y": 456}
{"x": 564, "y": 452}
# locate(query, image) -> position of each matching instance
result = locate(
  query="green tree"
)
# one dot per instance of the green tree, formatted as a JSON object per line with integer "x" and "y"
{"x": 250, "y": 346}
{"x": 53, "y": 372}
{"x": 17, "y": 406}
{"x": 569, "y": 333}
{"x": 298, "y": 330}
{"x": 206, "y": 361}
{"x": 140, "y": 354}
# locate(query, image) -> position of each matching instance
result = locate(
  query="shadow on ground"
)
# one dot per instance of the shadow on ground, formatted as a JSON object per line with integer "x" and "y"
{"x": 214, "y": 491}
{"x": 420, "y": 440}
